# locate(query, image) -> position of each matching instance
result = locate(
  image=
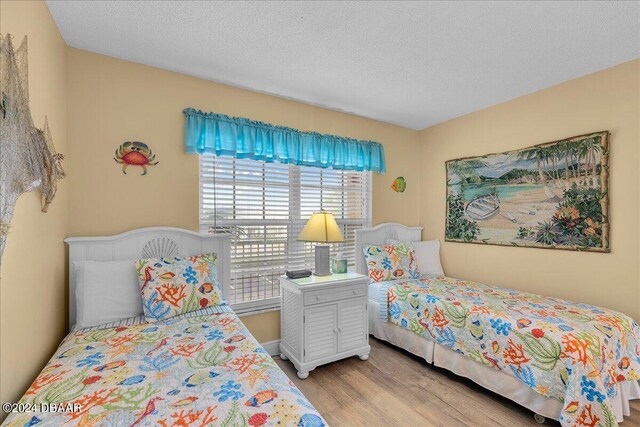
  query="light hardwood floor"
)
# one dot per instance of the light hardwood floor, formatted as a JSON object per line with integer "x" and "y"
{"x": 395, "y": 388}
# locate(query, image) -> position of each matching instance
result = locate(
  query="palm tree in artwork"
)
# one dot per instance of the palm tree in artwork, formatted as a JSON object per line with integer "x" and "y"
{"x": 551, "y": 154}
{"x": 566, "y": 149}
{"x": 537, "y": 154}
{"x": 466, "y": 169}
{"x": 572, "y": 151}
{"x": 583, "y": 154}
{"x": 540, "y": 155}
{"x": 576, "y": 157}
{"x": 569, "y": 152}
{"x": 588, "y": 149}
{"x": 595, "y": 149}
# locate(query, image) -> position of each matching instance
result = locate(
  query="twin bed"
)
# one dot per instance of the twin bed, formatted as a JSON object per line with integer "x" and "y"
{"x": 571, "y": 362}
{"x": 199, "y": 368}
{"x": 574, "y": 363}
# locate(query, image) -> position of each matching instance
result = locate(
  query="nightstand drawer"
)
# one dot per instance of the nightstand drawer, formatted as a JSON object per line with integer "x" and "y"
{"x": 334, "y": 294}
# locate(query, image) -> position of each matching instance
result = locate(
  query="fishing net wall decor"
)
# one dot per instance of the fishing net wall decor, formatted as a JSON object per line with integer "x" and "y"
{"x": 28, "y": 159}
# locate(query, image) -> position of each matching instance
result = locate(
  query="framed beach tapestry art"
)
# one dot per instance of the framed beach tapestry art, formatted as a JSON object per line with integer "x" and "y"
{"x": 552, "y": 195}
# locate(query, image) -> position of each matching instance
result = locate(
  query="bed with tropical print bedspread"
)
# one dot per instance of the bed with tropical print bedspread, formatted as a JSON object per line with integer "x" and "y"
{"x": 575, "y": 353}
{"x": 196, "y": 370}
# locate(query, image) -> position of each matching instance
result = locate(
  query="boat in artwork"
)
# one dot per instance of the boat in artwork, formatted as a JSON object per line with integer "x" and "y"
{"x": 483, "y": 207}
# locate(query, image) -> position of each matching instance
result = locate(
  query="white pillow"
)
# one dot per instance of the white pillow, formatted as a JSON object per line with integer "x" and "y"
{"x": 106, "y": 291}
{"x": 428, "y": 256}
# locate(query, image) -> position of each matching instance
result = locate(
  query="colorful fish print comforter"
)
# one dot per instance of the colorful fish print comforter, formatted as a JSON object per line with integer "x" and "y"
{"x": 205, "y": 370}
{"x": 576, "y": 353}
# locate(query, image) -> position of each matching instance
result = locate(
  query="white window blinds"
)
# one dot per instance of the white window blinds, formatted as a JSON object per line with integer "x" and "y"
{"x": 264, "y": 206}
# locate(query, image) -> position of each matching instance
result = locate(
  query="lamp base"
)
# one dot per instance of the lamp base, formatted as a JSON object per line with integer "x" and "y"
{"x": 322, "y": 261}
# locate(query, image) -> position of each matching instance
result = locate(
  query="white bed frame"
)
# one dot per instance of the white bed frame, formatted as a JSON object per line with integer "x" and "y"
{"x": 147, "y": 243}
{"x": 489, "y": 378}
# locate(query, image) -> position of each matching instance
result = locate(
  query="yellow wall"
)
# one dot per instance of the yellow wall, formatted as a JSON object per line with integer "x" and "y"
{"x": 32, "y": 293}
{"x": 606, "y": 100}
{"x": 264, "y": 326}
{"x": 112, "y": 101}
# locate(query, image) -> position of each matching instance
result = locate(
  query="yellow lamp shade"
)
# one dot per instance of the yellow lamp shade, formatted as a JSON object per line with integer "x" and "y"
{"x": 321, "y": 227}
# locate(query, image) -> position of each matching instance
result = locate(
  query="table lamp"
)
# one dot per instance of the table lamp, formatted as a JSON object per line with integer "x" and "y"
{"x": 321, "y": 228}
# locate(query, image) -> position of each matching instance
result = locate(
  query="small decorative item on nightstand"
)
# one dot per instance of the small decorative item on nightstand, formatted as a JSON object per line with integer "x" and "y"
{"x": 298, "y": 274}
{"x": 323, "y": 319}
{"x": 339, "y": 264}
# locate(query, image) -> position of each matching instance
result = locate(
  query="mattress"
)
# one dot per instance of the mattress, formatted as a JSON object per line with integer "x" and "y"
{"x": 200, "y": 369}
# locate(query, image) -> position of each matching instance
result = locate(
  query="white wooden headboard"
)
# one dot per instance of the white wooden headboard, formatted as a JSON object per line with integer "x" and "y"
{"x": 147, "y": 243}
{"x": 383, "y": 234}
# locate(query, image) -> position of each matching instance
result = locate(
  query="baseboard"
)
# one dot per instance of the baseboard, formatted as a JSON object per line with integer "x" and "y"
{"x": 272, "y": 347}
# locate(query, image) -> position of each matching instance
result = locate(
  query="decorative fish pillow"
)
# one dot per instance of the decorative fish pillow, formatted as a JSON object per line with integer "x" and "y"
{"x": 391, "y": 262}
{"x": 174, "y": 286}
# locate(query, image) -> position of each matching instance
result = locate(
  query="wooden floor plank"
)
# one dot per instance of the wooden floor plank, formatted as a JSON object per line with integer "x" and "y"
{"x": 446, "y": 390}
{"x": 427, "y": 404}
{"x": 396, "y": 388}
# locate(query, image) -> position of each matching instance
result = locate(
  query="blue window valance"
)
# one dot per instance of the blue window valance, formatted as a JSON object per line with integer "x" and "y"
{"x": 248, "y": 139}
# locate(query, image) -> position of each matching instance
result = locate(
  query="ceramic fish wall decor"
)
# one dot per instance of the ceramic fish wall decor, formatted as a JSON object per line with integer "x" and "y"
{"x": 399, "y": 184}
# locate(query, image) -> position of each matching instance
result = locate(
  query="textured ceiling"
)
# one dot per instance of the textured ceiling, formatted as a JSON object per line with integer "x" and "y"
{"x": 409, "y": 63}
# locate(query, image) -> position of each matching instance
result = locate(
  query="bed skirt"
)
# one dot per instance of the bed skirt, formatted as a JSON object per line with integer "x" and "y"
{"x": 489, "y": 378}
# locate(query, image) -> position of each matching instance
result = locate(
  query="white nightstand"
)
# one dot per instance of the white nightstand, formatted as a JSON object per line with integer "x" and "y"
{"x": 323, "y": 319}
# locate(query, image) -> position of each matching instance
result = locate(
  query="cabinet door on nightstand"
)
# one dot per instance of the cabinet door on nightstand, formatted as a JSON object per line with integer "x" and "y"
{"x": 320, "y": 329}
{"x": 352, "y": 324}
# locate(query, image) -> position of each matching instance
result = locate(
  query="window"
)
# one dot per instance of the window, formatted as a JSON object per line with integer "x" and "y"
{"x": 264, "y": 206}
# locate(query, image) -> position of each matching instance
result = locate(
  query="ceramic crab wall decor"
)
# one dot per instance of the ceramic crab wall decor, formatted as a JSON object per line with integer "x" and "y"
{"x": 135, "y": 153}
